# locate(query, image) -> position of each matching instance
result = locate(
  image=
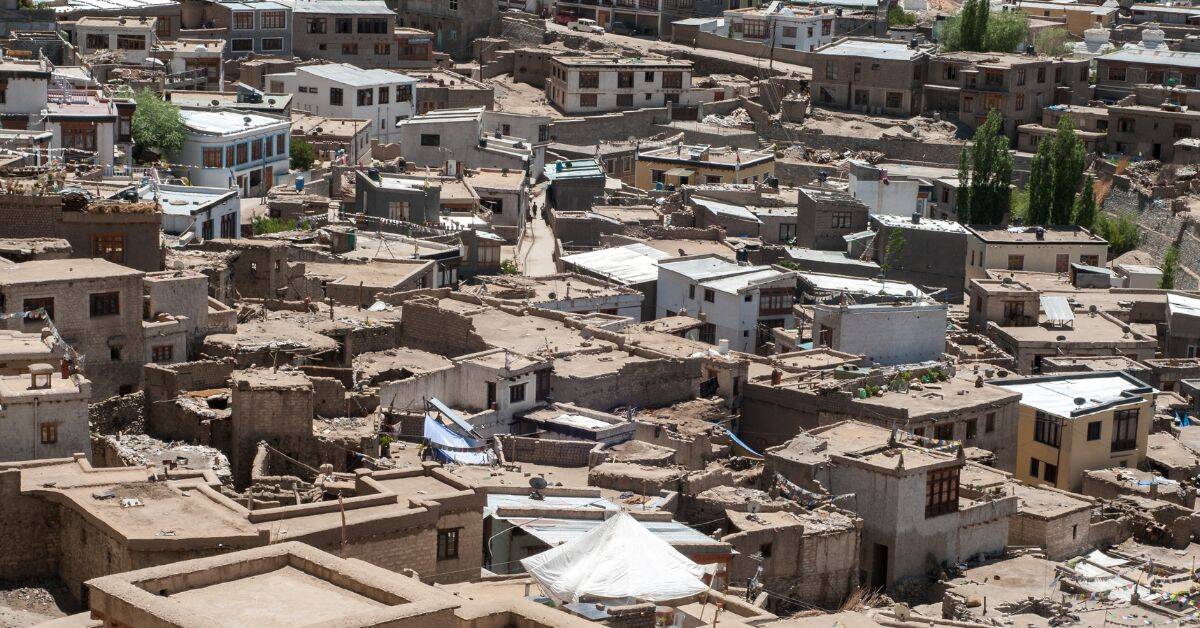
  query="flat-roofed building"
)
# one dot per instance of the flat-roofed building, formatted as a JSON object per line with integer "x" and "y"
{"x": 342, "y": 90}
{"x": 795, "y": 28}
{"x": 870, "y": 75}
{"x": 345, "y": 140}
{"x": 598, "y": 84}
{"x": 1069, "y": 424}
{"x": 672, "y": 166}
{"x": 228, "y": 148}
{"x": 1036, "y": 249}
{"x": 1118, "y": 72}
{"x": 130, "y": 38}
{"x": 349, "y": 31}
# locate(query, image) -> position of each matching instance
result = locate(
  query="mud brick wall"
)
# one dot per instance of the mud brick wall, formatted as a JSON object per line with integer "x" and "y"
{"x": 429, "y": 328}
{"x": 651, "y": 383}
{"x": 123, "y": 413}
{"x": 29, "y": 545}
{"x": 559, "y": 453}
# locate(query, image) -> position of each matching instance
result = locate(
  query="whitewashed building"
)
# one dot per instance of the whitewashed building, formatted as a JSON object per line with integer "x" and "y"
{"x": 341, "y": 90}
{"x": 232, "y": 149}
{"x": 600, "y": 83}
{"x": 739, "y": 304}
{"x": 197, "y": 212}
{"x": 795, "y": 28}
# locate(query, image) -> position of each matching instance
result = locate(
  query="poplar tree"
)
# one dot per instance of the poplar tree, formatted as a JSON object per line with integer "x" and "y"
{"x": 984, "y": 175}
{"x": 1055, "y": 177}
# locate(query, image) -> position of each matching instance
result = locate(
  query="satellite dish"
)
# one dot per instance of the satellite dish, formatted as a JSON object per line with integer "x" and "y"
{"x": 537, "y": 483}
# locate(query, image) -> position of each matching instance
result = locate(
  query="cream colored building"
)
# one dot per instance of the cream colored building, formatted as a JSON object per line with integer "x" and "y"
{"x": 1079, "y": 422}
{"x": 1036, "y": 249}
{"x": 672, "y": 166}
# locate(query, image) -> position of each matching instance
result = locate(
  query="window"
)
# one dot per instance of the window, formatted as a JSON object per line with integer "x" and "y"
{"x": 272, "y": 43}
{"x": 587, "y": 100}
{"x": 831, "y": 70}
{"x": 841, "y": 220}
{"x": 943, "y": 431}
{"x": 162, "y": 27}
{"x": 453, "y": 5}
{"x": 589, "y": 80}
{"x": 624, "y": 79}
{"x": 162, "y": 353}
{"x": 1062, "y": 263}
{"x": 131, "y": 42}
{"x": 968, "y": 105}
{"x": 692, "y": 291}
{"x": 989, "y": 423}
{"x": 649, "y": 77}
{"x": 97, "y": 41}
{"x": 373, "y": 25}
{"x": 383, "y": 50}
{"x": 431, "y": 139}
{"x": 672, "y": 80}
{"x": 212, "y": 158}
{"x": 972, "y": 429}
{"x": 862, "y": 98}
{"x": 280, "y": 144}
{"x": 1051, "y": 473}
{"x": 343, "y": 25}
{"x": 273, "y": 19}
{"x": 256, "y": 150}
{"x": 1019, "y": 102}
{"x": 624, "y": 100}
{"x": 1016, "y": 262}
{"x": 46, "y": 303}
{"x": 775, "y": 301}
{"x": 941, "y": 492}
{"x": 709, "y": 295}
{"x": 1116, "y": 74}
{"x": 894, "y": 99}
{"x": 1046, "y": 429}
{"x": 403, "y": 93}
{"x": 755, "y": 29}
{"x": 1033, "y": 468}
{"x": 105, "y": 303}
{"x": 1089, "y": 260}
{"x": 543, "y": 133}
{"x": 349, "y": 49}
{"x": 516, "y": 393}
{"x": 1041, "y": 75}
{"x": 243, "y": 20}
{"x": 1094, "y": 430}
{"x": 447, "y": 544}
{"x": 110, "y": 247}
{"x": 316, "y": 25}
{"x": 229, "y": 157}
{"x": 243, "y": 153}
{"x": 366, "y": 97}
{"x": 1126, "y": 125}
{"x": 335, "y": 96}
{"x": 49, "y": 433}
{"x": 787, "y": 231}
{"x": 243, "y": 45}
{"x": 1125, "y": 424}
{"x": 1020, "y": 76}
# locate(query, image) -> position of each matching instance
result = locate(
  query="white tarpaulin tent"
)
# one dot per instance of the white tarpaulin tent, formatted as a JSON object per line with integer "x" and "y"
{"x": 618, "y": 559}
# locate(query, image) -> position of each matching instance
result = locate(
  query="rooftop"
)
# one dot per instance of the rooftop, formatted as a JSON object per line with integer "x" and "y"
{"x": 629, "y": 265}
{"x": 343, "y": 7}
{"x": 888, "y": 50}
{"x": 613, "y": 60}
{"x": 40, "y": 271}
{"x": 384, "y": 275}
{"x": 723, "y": 155}
{"x": 1029, "y": 235}
{"x": 227, "y": 122}
{"x": 353, "y": 75}
{"x": 1077, "y": 394}
{"x": 858, "y": 285}
{"x": 924, "y": 224}
{"x": 1153, "y": 57}
{"x": 227, "y": 100}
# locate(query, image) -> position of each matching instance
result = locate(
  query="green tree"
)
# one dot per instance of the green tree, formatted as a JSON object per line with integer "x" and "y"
{"x": 509, "y": 267}
{"x": 157, "y": 125}
{"x": 265, "y": 224}
{"x": 897, "y": 16}
{"x": 1006, "y": 31}
{"x": 1121, "y": 233}
{"x": 1085, "y": 205}
{"x": 302, "y": 154}
{"x": 1054, "y": 42}
{"x": 984, "y": 175}
{"x": 976, "y": 28}
{"x": 1170, "y": 267}
{"x": 892, "y": 251}
{"x": 1055, "y": 176}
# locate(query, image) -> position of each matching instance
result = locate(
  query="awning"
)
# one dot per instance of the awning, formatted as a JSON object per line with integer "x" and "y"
{"x": 1058, "y": 310}
{"x": 680, "y": 172}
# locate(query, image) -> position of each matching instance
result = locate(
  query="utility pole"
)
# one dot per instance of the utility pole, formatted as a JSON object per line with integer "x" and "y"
{"x": 771, "y": 53}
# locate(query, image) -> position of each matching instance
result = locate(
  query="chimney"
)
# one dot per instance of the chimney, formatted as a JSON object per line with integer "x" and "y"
{"x": 39, "y": 376}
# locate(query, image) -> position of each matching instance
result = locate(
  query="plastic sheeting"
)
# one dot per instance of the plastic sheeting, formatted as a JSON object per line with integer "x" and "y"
{"x": 618, "y": 559}
{"x": 1058, "y": 310}
{"x": 438, "y": 434}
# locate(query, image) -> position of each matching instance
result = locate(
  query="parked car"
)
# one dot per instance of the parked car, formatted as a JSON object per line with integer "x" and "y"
{"x": 586, "y": 26}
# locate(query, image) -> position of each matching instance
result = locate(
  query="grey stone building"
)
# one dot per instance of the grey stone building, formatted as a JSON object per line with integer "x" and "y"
{"x": 454, "y": 23}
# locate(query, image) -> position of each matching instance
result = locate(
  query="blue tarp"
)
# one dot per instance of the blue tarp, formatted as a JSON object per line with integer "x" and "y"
{"x": 740, "y": 445}
{"x": 437, "y": 434}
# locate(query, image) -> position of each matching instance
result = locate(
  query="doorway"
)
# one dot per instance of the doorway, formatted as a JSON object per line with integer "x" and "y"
{"x": 879, "y": 566}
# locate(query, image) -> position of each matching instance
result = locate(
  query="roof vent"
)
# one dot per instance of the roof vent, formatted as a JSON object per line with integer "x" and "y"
{"x": 1079, "y": 401}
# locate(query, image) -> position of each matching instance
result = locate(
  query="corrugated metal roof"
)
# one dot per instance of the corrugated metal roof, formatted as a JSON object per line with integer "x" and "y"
{"x": 1155, "y": 57}
{"x": 726, "y": 209}
{"x": 857, "y": 285}
{"x": 355, "y": 7}
{"x": 629, "y": 264}
{"x": 703, "y": 268}
{"x": 732, "y": 285}
{"x": 356, "y": 76}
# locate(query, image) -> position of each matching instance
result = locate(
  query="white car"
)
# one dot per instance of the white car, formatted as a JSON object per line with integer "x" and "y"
{"x": 585, "y": 25}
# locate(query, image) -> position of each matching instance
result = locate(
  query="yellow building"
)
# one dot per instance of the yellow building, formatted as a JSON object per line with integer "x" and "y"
{"x": 1076, "y": 17}
{"x": 1079, "y": 422}
{"x": 672, "y": 166}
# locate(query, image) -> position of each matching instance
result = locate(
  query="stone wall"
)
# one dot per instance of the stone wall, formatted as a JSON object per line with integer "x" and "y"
{"x": 28, "y": 532}
{"x": 123, "y": 413}
{"x": 609, "y": 126}
{"x": 645, "y": 383}
{"x": 429, "y": 328}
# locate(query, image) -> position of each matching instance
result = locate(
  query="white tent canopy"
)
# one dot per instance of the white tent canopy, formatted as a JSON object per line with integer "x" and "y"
{"x": 618, "y": 559}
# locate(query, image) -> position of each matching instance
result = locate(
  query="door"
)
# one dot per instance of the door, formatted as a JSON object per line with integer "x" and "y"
{"x": 879, "y": 566}
{"x": 491, "y": 394}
